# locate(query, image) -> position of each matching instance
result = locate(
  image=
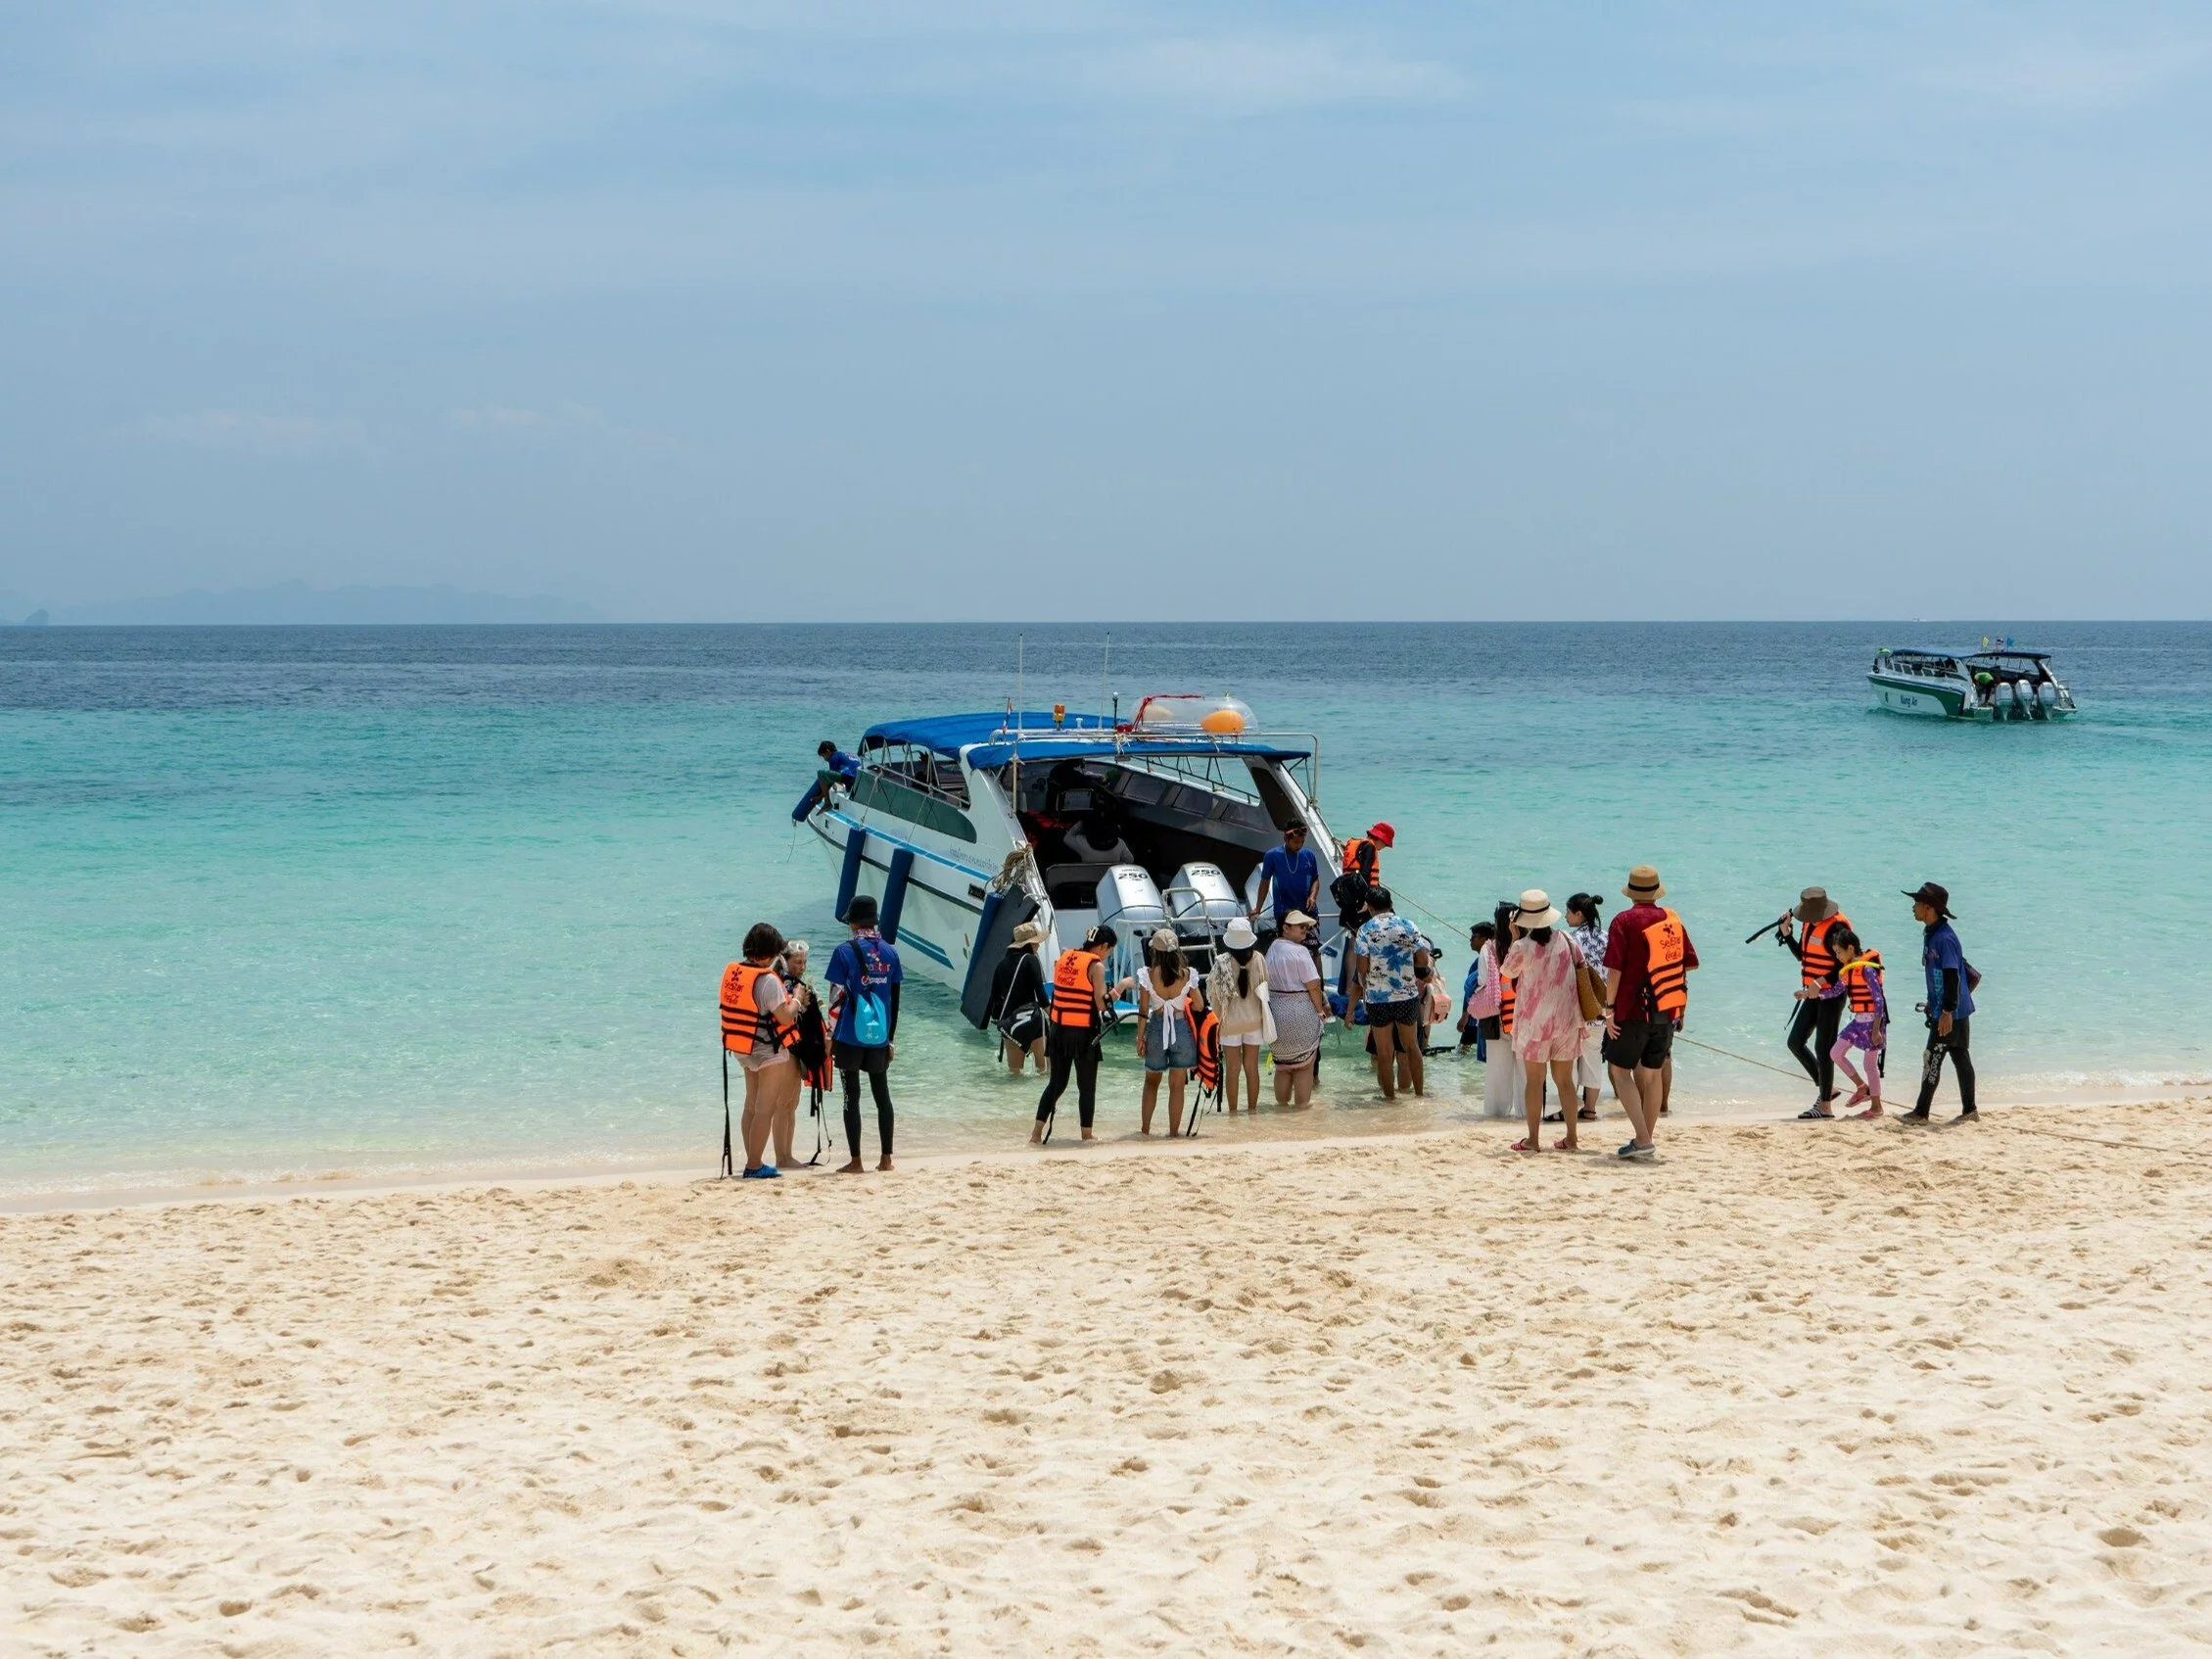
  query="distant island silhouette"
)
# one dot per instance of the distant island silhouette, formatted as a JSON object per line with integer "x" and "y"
{"x": 294, "y": 603}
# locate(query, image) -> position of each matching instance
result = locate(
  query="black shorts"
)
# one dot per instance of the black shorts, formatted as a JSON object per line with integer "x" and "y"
{"x": 1642, "y": 1043}
{"x": 1406, "y": 1012}
{"x": 851, "y": 1057}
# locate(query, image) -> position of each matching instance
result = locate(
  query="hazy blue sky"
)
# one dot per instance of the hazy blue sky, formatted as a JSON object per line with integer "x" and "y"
{"x": 767, "y": 310}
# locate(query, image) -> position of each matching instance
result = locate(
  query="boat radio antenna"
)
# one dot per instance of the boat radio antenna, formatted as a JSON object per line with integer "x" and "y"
{"x": 1106, "y": 678}
{"x": 1020, "y": 697}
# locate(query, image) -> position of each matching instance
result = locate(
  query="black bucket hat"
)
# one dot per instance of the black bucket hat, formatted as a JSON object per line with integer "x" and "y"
{"x": 1936, "y": 897}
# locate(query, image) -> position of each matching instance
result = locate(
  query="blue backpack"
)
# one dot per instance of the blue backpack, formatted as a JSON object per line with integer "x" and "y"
{"x": 872, "y": 1020}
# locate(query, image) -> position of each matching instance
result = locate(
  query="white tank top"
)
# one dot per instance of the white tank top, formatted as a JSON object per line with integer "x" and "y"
{"x": 1170, "y": 1008}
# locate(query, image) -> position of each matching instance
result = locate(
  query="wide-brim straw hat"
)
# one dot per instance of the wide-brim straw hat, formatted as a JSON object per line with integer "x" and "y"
{"x": 1644, "y": 884}
{"x": 1297, "y": 919}
{"x": 1535, "y": 909}
{"x": 1815, "y": 905}
{"x": 1029, "y": 933}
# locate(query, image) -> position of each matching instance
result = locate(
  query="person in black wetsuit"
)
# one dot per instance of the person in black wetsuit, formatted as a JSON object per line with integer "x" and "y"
{"x": 1018, "y": 1000}
{"x": 865, "y": 966}
{"x": 1081, "y": 999}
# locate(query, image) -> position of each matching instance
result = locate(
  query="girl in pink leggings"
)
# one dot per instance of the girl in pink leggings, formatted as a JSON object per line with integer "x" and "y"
{"x": 1861, "y": 980}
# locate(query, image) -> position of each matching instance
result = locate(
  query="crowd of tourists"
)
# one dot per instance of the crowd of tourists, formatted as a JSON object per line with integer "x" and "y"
{"x": 1557, "y": 1004}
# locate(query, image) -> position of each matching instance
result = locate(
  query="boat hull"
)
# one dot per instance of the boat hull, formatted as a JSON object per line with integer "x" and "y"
{"x": 942, "y": 902}
{"x": 1934, "y": 700}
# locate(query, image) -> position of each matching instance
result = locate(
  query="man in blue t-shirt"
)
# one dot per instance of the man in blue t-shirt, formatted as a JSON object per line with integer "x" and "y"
{"x": 1291, "y": 876}
{"x": 838, "y": 768}
{"x": 1951, "y": 1002}
{"x": 865, "y": 966}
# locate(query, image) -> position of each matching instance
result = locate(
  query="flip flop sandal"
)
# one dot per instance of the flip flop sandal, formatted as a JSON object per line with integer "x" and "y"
{"x": 1869, "y": 1114}
{"x": 1522, "y": 1145}
{"x": 1814, "y": 1115}
{"x": 1555, "y": 1117}
{"x": 1564, "y": 1145}
{"x": 1588, "y": 1114}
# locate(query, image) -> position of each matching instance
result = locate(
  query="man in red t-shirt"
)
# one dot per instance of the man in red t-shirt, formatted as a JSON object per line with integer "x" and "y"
{"x": 1648, "y": 954}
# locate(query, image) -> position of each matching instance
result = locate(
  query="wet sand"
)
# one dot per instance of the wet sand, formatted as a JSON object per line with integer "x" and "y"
{"x": 1794, "y": 1389}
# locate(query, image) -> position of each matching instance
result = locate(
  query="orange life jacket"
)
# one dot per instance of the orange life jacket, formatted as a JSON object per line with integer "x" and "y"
{"x": 1857, "y": 984}
{"x": 1817, "y": 964}
{"x": 1371, "y": 870}
{"x": 1505, "y": 1005}
{"x": 1667, "y": 983}
{"x": 1075, "y": 1003}
{"x": 1209, "y": 1052}
{"x": 744, "y": 1026}
{"x": 817, "y": 1074}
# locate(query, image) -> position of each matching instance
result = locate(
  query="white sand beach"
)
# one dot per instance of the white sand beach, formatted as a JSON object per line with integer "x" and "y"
{"x": 1793, "y": 1389}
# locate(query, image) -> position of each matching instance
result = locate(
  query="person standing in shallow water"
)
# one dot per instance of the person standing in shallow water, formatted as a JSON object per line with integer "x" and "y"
{"x": 1393, "y": 966}
{"x": 1300, "y": 1009}
{"x": 1237, "y": 992}
{"x": 1951, "y": 1003}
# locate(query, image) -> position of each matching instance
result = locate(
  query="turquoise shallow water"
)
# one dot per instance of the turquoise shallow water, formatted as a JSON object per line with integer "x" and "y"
{"x": 415, "y": 901}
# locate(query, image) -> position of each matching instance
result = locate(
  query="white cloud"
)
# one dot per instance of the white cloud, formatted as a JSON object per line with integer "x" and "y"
{"x": 2066, "y": 74}
{"x": 1256, "y": 73}
{"x": 501, "y": 417}
{"x": 245, "y": 432}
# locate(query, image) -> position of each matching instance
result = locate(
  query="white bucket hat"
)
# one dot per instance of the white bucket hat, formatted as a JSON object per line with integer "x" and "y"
{"x": 1239, "y": 934}
{"x": 1536, "y": 910}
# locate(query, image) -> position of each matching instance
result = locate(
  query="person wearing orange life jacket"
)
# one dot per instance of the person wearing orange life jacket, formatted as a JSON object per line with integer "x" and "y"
{"x": 1359, "y": 873}
{"x": 1858, "y": 983}
{"x": 759, "y": 1022}
{"x": 1648, "y": 960}
{"x": 1075, "y": 1020}
{"x": 1812, "y": 1028}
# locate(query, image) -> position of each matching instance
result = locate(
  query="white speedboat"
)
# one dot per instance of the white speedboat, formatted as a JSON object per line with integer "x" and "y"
{"x": 1992, "y": 684}
{"x": 965, "y": 826}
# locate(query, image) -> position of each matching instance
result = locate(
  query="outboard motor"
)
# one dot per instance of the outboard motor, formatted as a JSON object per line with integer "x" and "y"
{"x": 2001, "y": 699}
{"x": 1129, "y": 902}
{"x": 2047, "y": 695}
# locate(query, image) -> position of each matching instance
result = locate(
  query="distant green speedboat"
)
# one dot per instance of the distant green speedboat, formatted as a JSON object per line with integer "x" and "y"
{"x": 1995, "y": 684}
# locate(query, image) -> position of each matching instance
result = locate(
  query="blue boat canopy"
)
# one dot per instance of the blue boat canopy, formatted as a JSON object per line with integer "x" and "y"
{"x": 1081, "y": 736}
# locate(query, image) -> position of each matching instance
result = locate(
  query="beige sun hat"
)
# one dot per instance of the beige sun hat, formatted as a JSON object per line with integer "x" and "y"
{"x": 1644, "y": 884}
{"x": 1029, "y": 933}
{"x": 1297, "y": 919}
{"x": 1165, "y": 940}
{"x": 1535, "y": 909}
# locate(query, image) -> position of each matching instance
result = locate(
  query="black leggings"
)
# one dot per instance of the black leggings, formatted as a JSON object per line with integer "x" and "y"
{"x": 1962, "y": 1064}
{"x": 1818, "y": 1020}
{"x": 878, "y": 1085}
{"x": 1071, "y": 1049}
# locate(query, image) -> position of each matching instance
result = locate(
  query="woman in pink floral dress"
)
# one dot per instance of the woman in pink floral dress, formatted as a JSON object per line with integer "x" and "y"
{"x": 1547, "y": 1013}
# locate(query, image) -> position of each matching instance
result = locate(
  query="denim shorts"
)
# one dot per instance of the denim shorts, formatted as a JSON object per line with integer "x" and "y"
{"x": 1181, "y": 1055}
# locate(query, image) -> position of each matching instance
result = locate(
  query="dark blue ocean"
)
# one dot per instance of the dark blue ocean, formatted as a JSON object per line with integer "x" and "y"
{"x": 404, "y": 901}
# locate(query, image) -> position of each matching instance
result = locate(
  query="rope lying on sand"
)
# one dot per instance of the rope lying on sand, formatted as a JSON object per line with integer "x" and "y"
{"x": 2098, "y": 1141}
{"x": 1732, "y": 1055}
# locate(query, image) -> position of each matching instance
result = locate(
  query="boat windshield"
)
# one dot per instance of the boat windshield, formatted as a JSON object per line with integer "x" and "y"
{"x": 1930, "y": 664}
